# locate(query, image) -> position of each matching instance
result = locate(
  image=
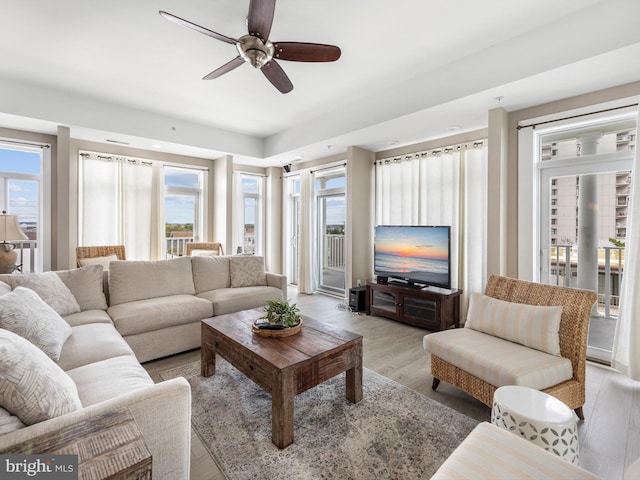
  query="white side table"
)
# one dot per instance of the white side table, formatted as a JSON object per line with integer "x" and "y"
{"x": 538, "y": 417}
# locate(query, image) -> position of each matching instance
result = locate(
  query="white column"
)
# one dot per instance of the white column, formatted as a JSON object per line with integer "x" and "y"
{"x": 588, "y": 219}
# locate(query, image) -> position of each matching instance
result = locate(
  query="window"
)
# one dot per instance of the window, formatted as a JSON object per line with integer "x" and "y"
{"x": 183, "y": 209}
{"x": 21, "y": 195}
{"x": 151, "y": 209}
{"x": 249, "y": 226}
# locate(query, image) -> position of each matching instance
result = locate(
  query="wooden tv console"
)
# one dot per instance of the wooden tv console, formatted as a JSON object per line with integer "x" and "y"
{"x": 430, "y": 307}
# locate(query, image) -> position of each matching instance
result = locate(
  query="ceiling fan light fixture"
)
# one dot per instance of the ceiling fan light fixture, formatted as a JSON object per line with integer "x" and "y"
{"x": 254, "y": 51}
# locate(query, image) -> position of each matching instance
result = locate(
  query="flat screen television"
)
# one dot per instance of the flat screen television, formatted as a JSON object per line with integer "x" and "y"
{"x": 414, "y": 255}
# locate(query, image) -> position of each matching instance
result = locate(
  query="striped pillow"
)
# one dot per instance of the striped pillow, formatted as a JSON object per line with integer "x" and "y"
{"x": 530, "y": 325}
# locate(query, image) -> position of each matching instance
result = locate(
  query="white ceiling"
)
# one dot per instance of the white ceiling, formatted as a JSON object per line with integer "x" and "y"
{"x": 409, "y": 70}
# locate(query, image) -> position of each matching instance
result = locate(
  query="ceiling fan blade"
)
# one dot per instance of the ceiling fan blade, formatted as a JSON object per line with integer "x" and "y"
{"x": 198, "y": 28}
{"x": 261, "y": 17}
{"x": 227, "y": 67}
{"x": 306, "y": 52}
{"x": 275, "y": 74}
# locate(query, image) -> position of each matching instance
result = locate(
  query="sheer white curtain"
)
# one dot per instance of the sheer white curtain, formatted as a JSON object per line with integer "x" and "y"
{"x": 626, "y": 342}
{"x": 441, "y": 187}
{"x": 307, "y": 258}
{"x": 121, "y": 204}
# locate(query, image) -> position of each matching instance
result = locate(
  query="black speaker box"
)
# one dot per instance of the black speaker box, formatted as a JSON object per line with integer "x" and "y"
{"x": 357, "y": 297}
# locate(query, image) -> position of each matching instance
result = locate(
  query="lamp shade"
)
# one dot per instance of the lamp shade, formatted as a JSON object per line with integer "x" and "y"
{"x": 10, "y": 228}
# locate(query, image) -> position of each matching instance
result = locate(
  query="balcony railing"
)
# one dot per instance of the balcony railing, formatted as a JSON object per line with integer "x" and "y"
{"x": 333, "y": 255}
{"x": 27, "y": 251}
{"x": 564, "y": 271}
{"x": 177, "y": 246}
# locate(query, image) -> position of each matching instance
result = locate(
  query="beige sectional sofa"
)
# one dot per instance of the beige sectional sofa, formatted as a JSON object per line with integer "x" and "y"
{"x": 157, "y": 306}
{"x": 154, "y": 309}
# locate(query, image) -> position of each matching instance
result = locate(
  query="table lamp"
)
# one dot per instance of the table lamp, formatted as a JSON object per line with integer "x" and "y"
{"x": 9, "y": 230}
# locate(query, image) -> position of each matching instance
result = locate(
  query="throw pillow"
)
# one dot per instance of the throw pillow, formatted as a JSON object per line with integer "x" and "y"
{"x": 50, "y": 288}
{"x": 86, "y": 285}
{"x": 104, "y": 261}
{"x": 247, "y": 271}
{"x": 4, "y": 288}
{"x": 32, "y": 386}
{"x": 24, "y": 313}
{"x": 530, "y": 325}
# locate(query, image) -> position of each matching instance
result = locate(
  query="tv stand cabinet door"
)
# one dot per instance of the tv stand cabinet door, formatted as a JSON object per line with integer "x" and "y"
{"x": 382, "y": 302}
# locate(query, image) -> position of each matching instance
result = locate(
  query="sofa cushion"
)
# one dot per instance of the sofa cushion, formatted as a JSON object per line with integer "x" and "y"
{"x": 88, "y": 316}
{"x": 530, "y": 325}
{"x": 498, "y": 361}
{"x": 247, "y": 271}
{"x": 228, "y": 300}
{"x": 24, "y": 313}
{"x": 86, "y": 284}
{"x": 130, "y": 281}
{"x": 156, "y": 313}
{"x": 32, "y": 386}
{"x": 9, "y": 423}
{"x": 92, "y": 343}
{"x": 210, "y": 273}
{"x": 4, "y": 287}
{"x": 109, "y": 378}
{"x": 50, "y": 288}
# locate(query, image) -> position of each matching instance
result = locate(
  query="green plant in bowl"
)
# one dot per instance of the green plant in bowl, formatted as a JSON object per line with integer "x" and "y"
{"x": 281, "y": 312}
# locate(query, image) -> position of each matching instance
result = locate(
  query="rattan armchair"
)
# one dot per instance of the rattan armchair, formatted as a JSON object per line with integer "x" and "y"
{"x": 100, "y": 251}
{"x": 574, "y": 328}
{"x": 213, "y": 246}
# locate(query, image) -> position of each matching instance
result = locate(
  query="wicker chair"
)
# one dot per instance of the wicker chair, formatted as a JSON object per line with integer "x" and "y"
{"x": 574, "y": 328}
{"x": 100, "y": 251}
{"x": 213, "y": 246}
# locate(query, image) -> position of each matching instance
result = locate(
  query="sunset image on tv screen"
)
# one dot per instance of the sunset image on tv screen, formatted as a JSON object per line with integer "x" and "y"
{"x": 419, "y": 254}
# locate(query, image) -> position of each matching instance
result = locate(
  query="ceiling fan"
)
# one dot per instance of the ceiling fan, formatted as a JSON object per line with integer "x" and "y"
{"x": 256, "y": 49}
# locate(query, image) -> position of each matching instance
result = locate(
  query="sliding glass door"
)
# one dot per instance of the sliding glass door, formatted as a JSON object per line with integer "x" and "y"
{"x": 329, "y": 188}
{"x": 585, "y": 179}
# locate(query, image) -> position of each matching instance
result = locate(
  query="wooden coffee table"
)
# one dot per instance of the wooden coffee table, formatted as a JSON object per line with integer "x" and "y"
{"x": 284, "y": 366}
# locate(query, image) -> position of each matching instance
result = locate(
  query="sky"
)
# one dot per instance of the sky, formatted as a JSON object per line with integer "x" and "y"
{"x": 180, "y": 208}
{"x": 23, "y": 194}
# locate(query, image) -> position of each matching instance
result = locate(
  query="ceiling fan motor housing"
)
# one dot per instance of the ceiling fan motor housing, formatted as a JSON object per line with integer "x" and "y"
{"x": 254, "y": 51}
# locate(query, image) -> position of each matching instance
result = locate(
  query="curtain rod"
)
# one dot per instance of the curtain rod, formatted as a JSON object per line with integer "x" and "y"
{"x": 147, "y": 162}
{"x": 534, "y": 125}
{"x": 329, "y": 167}
{"x": 425, "y": 153}
{"x": 26, "y": 144}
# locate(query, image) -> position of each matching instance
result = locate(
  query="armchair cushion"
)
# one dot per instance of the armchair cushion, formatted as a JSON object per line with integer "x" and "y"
{"x": 531, "y": 325}
{"x": 103, "y": 261}
{"x": 497, "y": 361}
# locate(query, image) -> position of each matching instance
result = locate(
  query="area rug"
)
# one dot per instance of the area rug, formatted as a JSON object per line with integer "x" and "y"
{"x": 393, "y": 433}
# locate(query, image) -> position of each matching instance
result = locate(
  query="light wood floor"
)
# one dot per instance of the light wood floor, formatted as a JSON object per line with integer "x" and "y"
{"x": 609, "y": 436}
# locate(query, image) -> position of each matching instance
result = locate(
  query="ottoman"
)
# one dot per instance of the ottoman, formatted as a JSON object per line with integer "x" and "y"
{"x": 537, "y": 417}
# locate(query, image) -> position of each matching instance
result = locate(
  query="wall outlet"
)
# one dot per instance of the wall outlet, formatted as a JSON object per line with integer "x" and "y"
{"x": 358, "y": 283}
